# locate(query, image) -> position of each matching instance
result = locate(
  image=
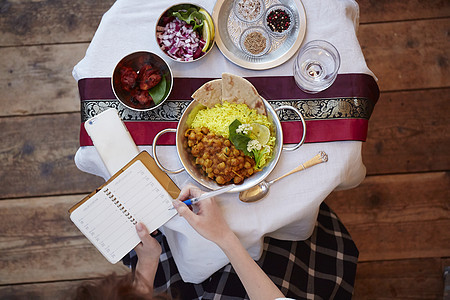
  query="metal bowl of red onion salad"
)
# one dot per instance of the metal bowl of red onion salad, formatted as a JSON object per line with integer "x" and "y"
{"x": 185, "y": 32}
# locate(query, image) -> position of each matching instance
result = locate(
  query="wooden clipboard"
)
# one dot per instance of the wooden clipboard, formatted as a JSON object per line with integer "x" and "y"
{"x": 149, "y": 162}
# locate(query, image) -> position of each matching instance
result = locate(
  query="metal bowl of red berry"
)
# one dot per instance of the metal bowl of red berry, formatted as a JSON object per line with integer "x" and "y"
{"x": 279, "y": 20}
{"x": 142, "y": 81}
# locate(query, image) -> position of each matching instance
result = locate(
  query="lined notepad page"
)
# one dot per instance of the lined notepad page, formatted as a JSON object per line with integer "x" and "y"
{"x": 106, "y": 219}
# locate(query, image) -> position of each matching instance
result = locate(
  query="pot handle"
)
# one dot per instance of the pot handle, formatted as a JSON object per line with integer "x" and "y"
{"x": 154, "y": 152}
{"x": 295, "y": 147}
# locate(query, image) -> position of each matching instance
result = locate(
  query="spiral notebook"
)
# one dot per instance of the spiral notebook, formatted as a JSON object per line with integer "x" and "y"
{"x": 139, "y": 192}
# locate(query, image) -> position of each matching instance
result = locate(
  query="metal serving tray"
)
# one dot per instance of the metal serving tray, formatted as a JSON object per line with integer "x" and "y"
{"x": 229, "y": 29}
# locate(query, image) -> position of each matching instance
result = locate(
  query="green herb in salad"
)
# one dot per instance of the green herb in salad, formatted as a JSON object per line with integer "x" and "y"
{"x": 189, "y": 14}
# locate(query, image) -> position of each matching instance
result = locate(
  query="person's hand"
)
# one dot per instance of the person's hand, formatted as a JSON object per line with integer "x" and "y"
{"x": 149, "y": 250}
{"x": 208, "y": 221}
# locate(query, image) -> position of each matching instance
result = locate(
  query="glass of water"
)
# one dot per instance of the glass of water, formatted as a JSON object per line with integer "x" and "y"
{"x": 316, "y": 66}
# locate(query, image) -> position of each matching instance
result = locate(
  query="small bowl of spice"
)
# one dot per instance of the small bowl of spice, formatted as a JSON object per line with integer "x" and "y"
{"x": 255, "y": 41}
{"x": 279, "y": 20}
{"x": 249, "y": 11}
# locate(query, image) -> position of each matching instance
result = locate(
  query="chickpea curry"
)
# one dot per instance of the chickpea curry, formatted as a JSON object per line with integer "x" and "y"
{"x": 218, "y": 157}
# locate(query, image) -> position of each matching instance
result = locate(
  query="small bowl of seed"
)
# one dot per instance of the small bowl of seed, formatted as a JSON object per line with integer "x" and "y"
{"x": 255, "y": 41}
{"x": 279, "y": 20}
{"x": 249, "y": 11}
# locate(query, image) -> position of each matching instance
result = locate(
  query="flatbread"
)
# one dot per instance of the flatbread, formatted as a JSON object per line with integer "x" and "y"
{"x": 210, "y": 93}
{"x": 236, "y": 89}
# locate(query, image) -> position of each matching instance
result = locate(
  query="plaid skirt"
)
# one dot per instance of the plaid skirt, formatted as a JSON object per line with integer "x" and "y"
{"x": 321, "y": 267}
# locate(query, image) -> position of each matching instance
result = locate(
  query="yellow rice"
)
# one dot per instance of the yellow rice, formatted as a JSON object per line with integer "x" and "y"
{"x": 218, "y": 118}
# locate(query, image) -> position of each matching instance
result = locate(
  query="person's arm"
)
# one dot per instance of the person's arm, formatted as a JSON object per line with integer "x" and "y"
{"x": 148, "y": 252}
{"x": 210, "y": 223}
{"x": 256, "y": 282}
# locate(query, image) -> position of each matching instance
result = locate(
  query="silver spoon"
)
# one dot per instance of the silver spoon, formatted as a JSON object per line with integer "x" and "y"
{"x": 260, "y": 190}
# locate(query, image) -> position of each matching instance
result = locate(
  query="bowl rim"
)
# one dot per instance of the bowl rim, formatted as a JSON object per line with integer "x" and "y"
{"x": 142, "y": 52}
{"x": 185, "y": 61}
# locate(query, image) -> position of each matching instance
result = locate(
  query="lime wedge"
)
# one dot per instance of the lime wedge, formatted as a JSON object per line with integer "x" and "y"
{"x": 208, "y": 29}
{"x": 261, "y": 132}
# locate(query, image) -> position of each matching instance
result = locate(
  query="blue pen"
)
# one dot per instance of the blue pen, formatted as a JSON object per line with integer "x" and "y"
{"x": 207, "y": 195}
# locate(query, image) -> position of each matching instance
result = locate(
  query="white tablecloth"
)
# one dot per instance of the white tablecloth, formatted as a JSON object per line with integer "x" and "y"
{"x": 290, "y": 210}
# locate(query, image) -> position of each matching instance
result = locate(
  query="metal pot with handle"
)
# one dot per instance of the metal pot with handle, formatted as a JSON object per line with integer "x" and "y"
{"x": 196, "y": 173}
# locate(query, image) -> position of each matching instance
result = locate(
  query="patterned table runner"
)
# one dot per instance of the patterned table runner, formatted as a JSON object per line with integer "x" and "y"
{"x": 339, "y": 113}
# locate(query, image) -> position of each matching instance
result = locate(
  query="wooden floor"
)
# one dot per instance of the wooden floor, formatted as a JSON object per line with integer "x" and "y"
{"x": 399, "y": 216}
